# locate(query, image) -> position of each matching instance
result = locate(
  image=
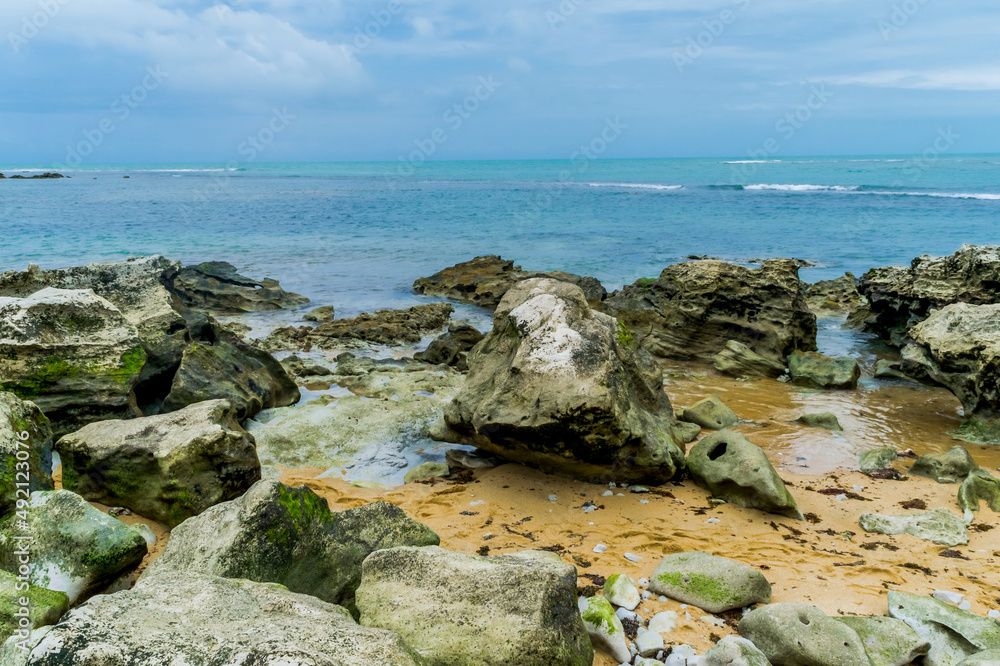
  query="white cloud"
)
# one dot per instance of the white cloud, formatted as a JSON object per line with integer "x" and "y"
{"x": 975, "y": 79}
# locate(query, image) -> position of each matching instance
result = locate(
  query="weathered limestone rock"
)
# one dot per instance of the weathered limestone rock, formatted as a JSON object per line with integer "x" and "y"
{"x": 952, "y": 466}
{"x": 886, "y": 369}
{"x": 604, "y": 627}
{"x": 979, "y": 486}
{"x": 321, "y": 315}
{"x": 738, "y": 471}
{"x": 559, "y": 386}
{"x": 987, "y": 658}
{"x": 70, "y": 352}
{"x": 215, "y": 286}
{"x": 953, "y": 634}
{"x": 738, "y": 360}
{"x": 939, "y": 526}
{"x": 694, "y": 308}
{"x": 452, "y": 348}
{"x": 792, "y": 634}
{"x": 710, "y": 413}
{"x": 840, "y": 295}
{"x": 734, "y": 651}
{"x": 386, "y": 327}
{"x": 192, "y": 618}
{"x": 278, "y": 534}
{"x": 167, "y": 467}
{"x": 31, "y": 456}
{"x": 826, "y": 421}
{"x": 876, "y": 459}
{"x": 814, "y": 370}
{"x": 714, "y": 584}
{"x": 463, "y": 610}
{"x": 45, "y": 607}
{"x": 888, "y": 641}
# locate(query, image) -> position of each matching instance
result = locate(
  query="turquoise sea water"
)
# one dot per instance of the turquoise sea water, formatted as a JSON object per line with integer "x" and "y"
{"x": 357, "y": 235}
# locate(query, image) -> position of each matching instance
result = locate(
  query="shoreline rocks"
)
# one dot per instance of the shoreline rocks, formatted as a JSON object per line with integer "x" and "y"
{"x": 16, "y": 417}
{"x": 795, "y": 633}
{"x": 738, "y": 360}
{"x": 713, "y": 584}
{"x": 834, "y": 296}
{"x": 216, "y": 286}
{"x": 814, "y": 370}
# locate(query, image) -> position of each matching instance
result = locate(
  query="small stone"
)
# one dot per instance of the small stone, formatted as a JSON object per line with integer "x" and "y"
{"x": 649, "y": 643}
{"x": 663, "y": 623}
{"x": 994, "y": 614}
{"x": 948, "y": 597}
{"x": 621, "y": 591}
{"x": 604, "y": 627}
{"x": 876, "y": 459}
{"x": 607, "y": 493}
{"x": 734, "y": 651}
{"x": 553, "y": 498}
{"x": 712, "y": 520}
{"x": 632, "y": 558}
{"x": 965, "y": 605}
{"x": 644, "y": 582}
{"x": 600, "y": 548}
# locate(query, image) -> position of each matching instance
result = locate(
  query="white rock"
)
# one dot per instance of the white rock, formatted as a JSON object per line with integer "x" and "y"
{"x": 553, "y": 498}
{"x": 146, "y": 533}
{"x": 663, "y": 623}
{"x": 649, "y": 644}
{"x": 646, "y": 594}
{"x": 600, "y": 548}
{"x": 626, "y": 614}
{"x": 948, "y": 597}
{"x": 644, "y": 582}
{"x": 632, "y": 558}
{"x": 607, "y": 493}
{"x": 662, "y": 599}
{"x": 841, "y": 498}
{"x": 711, "y": 619}
{"x": 604, "y": 627}
{"x": 621, "y": 591}
{"x": 676, "y": 660}
{"x": 965, "y": 605}
{"x": 712, "y": 520}
{"x": 643, "y": 501}
{"x": 642, "y": 661}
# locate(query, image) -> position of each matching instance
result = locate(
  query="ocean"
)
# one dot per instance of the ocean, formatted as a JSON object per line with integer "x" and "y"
{"x": 356, "y": 235}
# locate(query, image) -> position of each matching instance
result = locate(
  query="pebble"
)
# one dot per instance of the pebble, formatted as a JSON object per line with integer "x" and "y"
{"x": 632, "y": 558}
{"x": 840, "y": 498}
{"x": 712, "y": 520}
{"x": 477, "y": 502}
{"x": 994, "y": 614}
{"x": 948, "y": 597}
{"x": 646, "y": 594}
{"x": 553, "y": 498}
{"x": 640, "y": 489}
{"x": 858, "y": 489}
{"x": 600, "y": 548}
{"x": 643, "y": 501}
{"x": 663, "y": 623}
{"x": 649, "y": 643}
{"x": 711, "y": 619}
{"x": 662, "y": 599}
{"x": 965, "y": 605}
{"x": 644, "y": 582}
{"x": 607, "y": 493}
{"x": 626, "y": 614}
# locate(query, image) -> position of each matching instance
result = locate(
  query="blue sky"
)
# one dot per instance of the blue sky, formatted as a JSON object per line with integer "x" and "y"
{"x": 187, "y": 80}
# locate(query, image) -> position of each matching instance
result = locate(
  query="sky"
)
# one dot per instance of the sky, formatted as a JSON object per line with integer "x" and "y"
{"x": 112, "y": 81}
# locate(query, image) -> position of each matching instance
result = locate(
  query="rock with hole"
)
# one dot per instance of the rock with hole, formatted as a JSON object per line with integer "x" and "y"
{"x": 795, "y": 634}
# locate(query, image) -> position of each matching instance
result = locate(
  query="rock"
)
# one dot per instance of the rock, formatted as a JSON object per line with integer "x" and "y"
{"x": 278, "y": 534}
{"x": 321, "y": 315}
{"x": 939, "y": 526}
{"x": 738, "y": 360}
{"x": 900, "y": 298}
{"x": 43, "y": 607}
{"x": 192, "y": 618}
{"x": 649, "y": 644}
{"x": 136, "y": 288}
{"x": 711, "y": 414}
{"x": 215, "y": 286}
{"x": 167, "y": 467}
{"x": 227, "y": 368}
{"x": 958, "y": 347}
{"x": 75, "y": 548}
{"x": 886, "y": 369}
{"x": 34, "y": 453}
{"x": 685, "y": 433}
{"x": 426, "y": 472}
{"x": 714, "y": 584}
{"x": 385, "y": 327}
{"x": 605, "y": 629}
{"x": 953, "y": 634}
{"x": 298, "y": 367}
{"x": 876, "y": 459}
{"x": 979, "y": 486}
{"x": 695, "y": 308}
{"x": 593, "y": 290}
{"x": 826, "y": 421}
{"x": 840, "y": 295}
{"x": 793, "y": 634}
{"x": 734, "y": 651}
{"x": 459, "y": 609}
{"x": 559, "y": 386}
{"x": 953, "y": 466}
{"x": 470, "y": 459}
{"x": 70, "y": 352}
{"x": 888, "y": 641}
{"x": 621, "y": 591}
{"x": 814, "y": 370}
{"x": 452, "y": 347}
{"x": 738, "y": 471}
{"x": 987, "y": 658}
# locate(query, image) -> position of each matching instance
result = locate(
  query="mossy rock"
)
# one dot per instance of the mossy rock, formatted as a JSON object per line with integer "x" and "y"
{"x": 954, "y": 634}
{"x": 825, "y": 420}
{"x": 938, "y": 526}
{"x": 979, "y": 486}
{"x": 44, "y": 608}
{"x": 952, "y": 466}
{"x": 17, "y": 417}
{"x": 714, "y": 584}
{"x": 795, "y": 633}
{"x": 814, "y": 370}
{"x": 710, "y": 413}
{"x": 888, "y": 641}
{"x": 876, "y": 459}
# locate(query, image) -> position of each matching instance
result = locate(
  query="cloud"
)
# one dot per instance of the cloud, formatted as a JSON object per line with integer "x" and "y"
{"x": 970, "y": 79}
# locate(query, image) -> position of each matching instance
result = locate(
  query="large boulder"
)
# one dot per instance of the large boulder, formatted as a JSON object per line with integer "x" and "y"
{"x": 694, "y": 308}
{"x": 738, "y": 471}
{"x": 794, "y": 634}
{"x": 216, "y": 286}
{"x": 278, "y": 534}
{"x": 899, "y": 298}
{"x": 74, "y": 548}
{"x": 385, "y": 327}
{"x": 192, "y": 618}
{"x": 463, "y": 610}
{"x": 714, "y": 584}
{"x": 168, "y": 467}
{"x": 887, "y": 640}
{"x": 43, "y": 607}
{"x": 25, "y": 448}
{"x": 72, "y": 353}
{"x": 939, "y": 526}
{"x": 953, "y": 634}
{"x": 814, "y": 370}
{"x": 560, "y": 386}
{"x": 738, "y": 360}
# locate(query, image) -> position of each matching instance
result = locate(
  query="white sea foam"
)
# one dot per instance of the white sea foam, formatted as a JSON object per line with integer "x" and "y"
{"x": 802, "y": 188}
{"x": 753, "y": 162}
{"x": 638, "y": 186}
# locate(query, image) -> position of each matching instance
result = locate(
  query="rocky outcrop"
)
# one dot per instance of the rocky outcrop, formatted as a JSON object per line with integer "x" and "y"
{"x": 384, "y": 327}
{"x": 900, "y": 298}
{"x": 321, "y": 315}
{"x": 44, "y": 607}
{"x": 887, "y": 640}
{"x": 463, "y": 610}
{"x": 738, "y": 360}
{"x": 834, "y": 296}
{"x": 453, "y": 347}
{"x": 790, "y": 634}
{"x": 215, "y": 286}
{"x": 168, "y": 467}
{"x": 953, "y": 634}
{"x": 714, "y": 584}
{"x": 952, "y": 466}
{"x": 814, "y": 370}
{"x": 191, "y": 618}
{"x": 25, "y": 439}
{"x": 736, "y": 470}
{"x": 72, "y": 353}
{"x": 694, "y": 308}
{"x": 278, "y": 534}
{"x": 938, "y": 526}
{"x": 560, "y": 386}
{"x": 75, "y": 548}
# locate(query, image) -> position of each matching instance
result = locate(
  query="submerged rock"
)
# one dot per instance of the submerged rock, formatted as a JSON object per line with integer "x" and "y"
{"x": 826, "y": 421}
{"x": 20, "y": 419}
{"x": 839, "y": 295}
{"x": 738, "y": 360}
{"x": 604, "y": 627}
{"x": 793, "y": 634}
{"x": 463, "y": 610}
{"x": 215, "y": 286}
{"x": 298, "y": 367}
{"x": 888, "y": 641}
{"x": 814, "y": 370}
{"x": 167, "y": 467}
{"x": 710, "y": 413}
{"x": 278, "y": 534}
{"x": 714, "y": 584}
{"x": 192, "y": 618}
{"x": 738, "y": 471}
{"x": 953, "y": 634}
{"x": 452, "y": 348}
{"x": 734, "y": 651}
{"x": 560, "y": 386}
{"x": 44, "y": 607}
{"x": 75, "y": 548}
{"x": 952, "y": 466}
{"x": 876, "y": 459}
{"x": 979, "y": 486}
{"x": 939, "y": 526}
{"x": 695, "y": 308}
{"x": 72, "y": 353}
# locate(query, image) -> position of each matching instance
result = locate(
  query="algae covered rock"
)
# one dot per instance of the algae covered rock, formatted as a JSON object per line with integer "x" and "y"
{"x": 451, "y": 348}
{"x": 25, "y": 448}
{"x": 75, "y": 548}
{"x": 710, "y": 413}
{"x": 952, "y": 466}
{"x": 604, "y": 627}
{"x": 888, "y": 641}
{"x": 192, "y": 618}
{"x": 621, "y": 591}
{"x": 738, "y": 360}
{"x": 794, "y": 634}
{"x": 826, "y": 421}
{"x": 979, "y": 486}
{"x": 734, "y": 651}
{"x": 738, "y": 471}
{"x": 386, "y": 327}
{"x": 714, "y": 584}
{"x": 953, "y": 634}
{"x": 939, "y": 526}
{"x": 216, "y": 286}
{"x": 834, "y": 296}
{"x": 814, "y": 370}
{"x": 876, "y": 459}
{"x": 168, "y": 467}
{"x": 427, "y": 471}
{"x": 463, "y": 610}
{"x": 321, "y": 315}
{"x": 278, "y": 534}
{"x": 42, "y": 608}
{"x": 559, "y": 386}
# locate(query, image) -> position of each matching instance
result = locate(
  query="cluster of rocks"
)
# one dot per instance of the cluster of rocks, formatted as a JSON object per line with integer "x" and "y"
{"x": 47, "y": 176}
